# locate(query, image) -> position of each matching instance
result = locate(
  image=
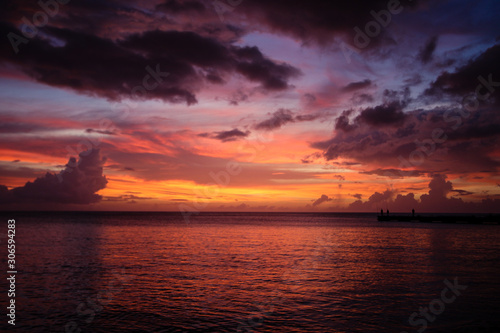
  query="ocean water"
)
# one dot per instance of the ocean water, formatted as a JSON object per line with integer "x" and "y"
{"x": 241, "y": 272}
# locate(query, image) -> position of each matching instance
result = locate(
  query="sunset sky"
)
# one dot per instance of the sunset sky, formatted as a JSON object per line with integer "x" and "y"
{"x": 250, "y": 105}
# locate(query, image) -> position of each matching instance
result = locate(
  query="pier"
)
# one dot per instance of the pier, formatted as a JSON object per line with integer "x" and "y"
{"x": 458, "y": 219}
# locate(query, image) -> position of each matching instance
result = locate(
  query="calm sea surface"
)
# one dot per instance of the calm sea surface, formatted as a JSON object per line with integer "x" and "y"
{"x": 233, "y": 272}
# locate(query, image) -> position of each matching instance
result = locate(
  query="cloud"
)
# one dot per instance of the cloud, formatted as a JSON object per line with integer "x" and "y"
{"x": 76, "y": 184}
{"x": 238, "y": 97}
{"x": 308, "y": 117}
{"x": 413, "y": 80}
{"x": 309, "y": 98}
{"x": 394, "y": 173}
{"x": 466, "y": 79}
{"x": 375, "y": 201}
{"x": 284, "y": 116}
{"x": 319, "y": 201}
{"x": 311, "y": 158}
{"x": 226, "y": 136}
{"x": 389, "y": 114}
{"x": 427, "y": 52}
{"x": 167, "y": 65}
{"x": 314, "y": 21}
{"x": 104, "y": 132}
{"x": 435, "y": 201}
{"x": 439, "y": 187}
{"x": 130, "y": 198}
{"x": 339, "y": 177}
{"x": 362, "y": 98}
{"x": 416, "y": 141}
{"x": 462, "y": 192}
{"x": 255, "y": 67}
{"x": 13, "y": 170}
{"x": 342, "y": 123}
{"x": 177, "y": 7}
{"x": 277, "y": 119}
{"x": 383, "y": 115}
{"x": 353, "y": 86}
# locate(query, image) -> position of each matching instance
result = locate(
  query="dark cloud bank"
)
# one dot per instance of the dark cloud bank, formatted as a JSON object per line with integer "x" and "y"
{"x": 435, "y": 201}
{"x": 148, "y": 63}
{"x": 76, "y": 184}
{"x": 459, "y": 137}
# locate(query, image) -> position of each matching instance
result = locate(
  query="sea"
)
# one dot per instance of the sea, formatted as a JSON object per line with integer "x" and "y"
{"x": 247, "y": 272}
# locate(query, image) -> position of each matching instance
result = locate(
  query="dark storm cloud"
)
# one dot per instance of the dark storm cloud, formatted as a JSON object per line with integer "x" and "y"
{"x": 255, "y": 67}
{"x": 189, "y": 46}
{"x": 176, "y": 7}
{"x": 445, "y": 138}
{"x": 427, "y": 52}
{"x": 342, "y": 122}
{"x": 383, "y": 115}
{"x": 387, "y": 114}
{"x": 98, "y": 66}
{"x": 92, "y": 17}
{"x": 480, "y": 76}
{"x": 226, "y": 136}
{"x": 439, "y": 139}
{"x": 316, "y": 20}
{"x": 353, "y": 86}
{"x": 167, "y": 65}
{"x": 482, "y": 130}
{"x": 76, "y": 184}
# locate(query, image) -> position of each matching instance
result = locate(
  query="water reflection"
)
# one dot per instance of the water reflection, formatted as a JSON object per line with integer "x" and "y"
{"x": 225, "y": 273}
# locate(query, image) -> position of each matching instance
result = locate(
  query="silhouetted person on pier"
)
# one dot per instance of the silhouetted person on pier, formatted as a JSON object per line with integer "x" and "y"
{"x": 413, "y": 212}
{"x": 387, "y": 212}
{"x": 382, "y": 212}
